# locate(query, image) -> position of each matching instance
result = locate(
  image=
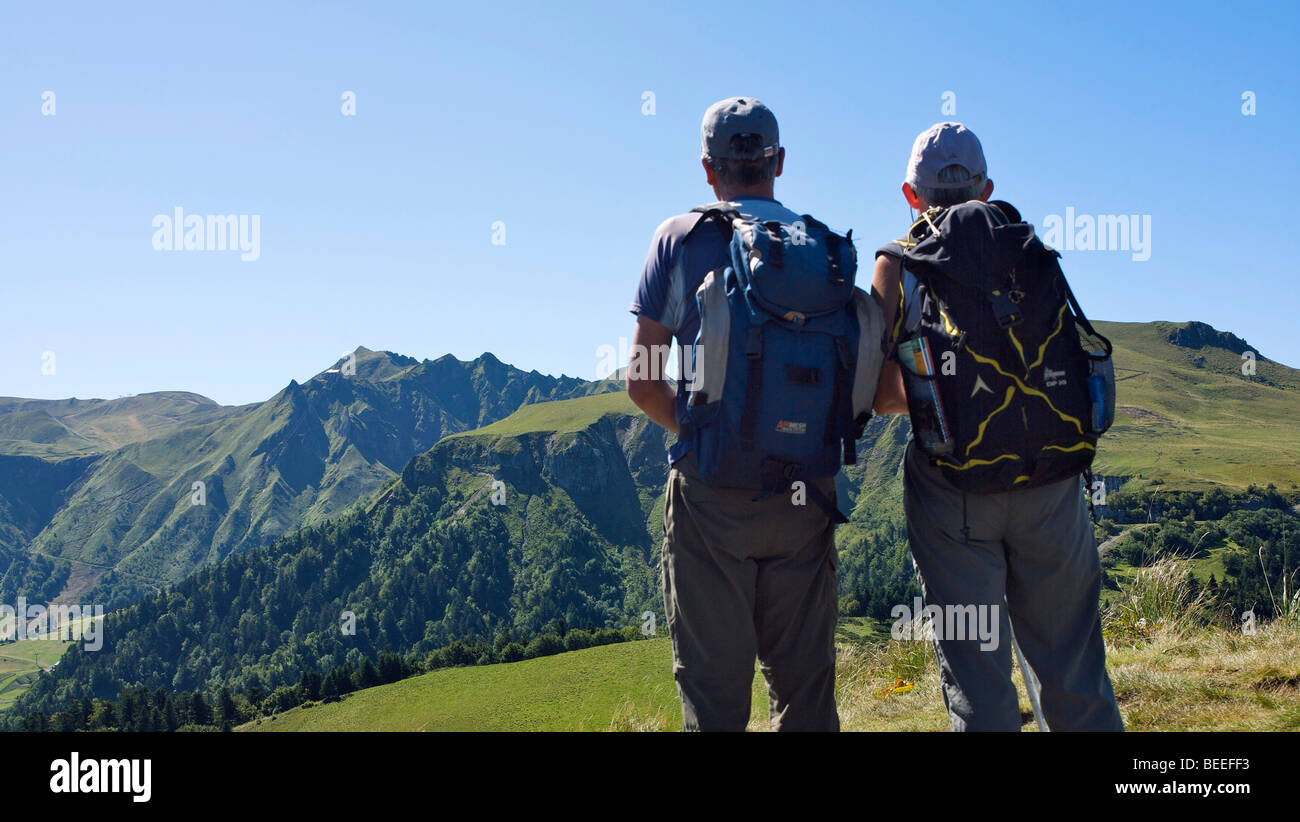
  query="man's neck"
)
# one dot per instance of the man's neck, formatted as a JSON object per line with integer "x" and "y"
{"x": 765, "y": 193}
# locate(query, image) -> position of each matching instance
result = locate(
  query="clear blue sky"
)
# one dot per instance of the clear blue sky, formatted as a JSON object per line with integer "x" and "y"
{"x": 376, "y": 229}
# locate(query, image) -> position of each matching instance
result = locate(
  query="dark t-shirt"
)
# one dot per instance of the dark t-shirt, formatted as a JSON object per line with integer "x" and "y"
{"x": 891, "y": 250}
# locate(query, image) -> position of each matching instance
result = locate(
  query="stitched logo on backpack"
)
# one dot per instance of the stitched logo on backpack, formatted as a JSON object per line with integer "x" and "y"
{"x": 788, "y": 427}
{"x": 1053, "y": 378}
{"x": 980, "y": 385}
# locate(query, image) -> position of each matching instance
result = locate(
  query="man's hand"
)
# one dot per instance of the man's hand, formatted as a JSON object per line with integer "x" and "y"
{"x": 646, "y": 386}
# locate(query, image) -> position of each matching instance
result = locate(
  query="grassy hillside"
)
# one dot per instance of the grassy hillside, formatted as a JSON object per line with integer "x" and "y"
{"x": 1212, "y": 679}
{"x": 75, "y": 427}
{"x": 561, "y": 416}
{"x": 1187, "y": 414}
{"x": 21, "y": 661}
{"x": 581, "y": 690}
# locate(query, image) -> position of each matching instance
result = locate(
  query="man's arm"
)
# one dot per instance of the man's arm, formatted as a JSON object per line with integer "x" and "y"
{"x": 890, "y": 396}
{"x": 646, "y": 386}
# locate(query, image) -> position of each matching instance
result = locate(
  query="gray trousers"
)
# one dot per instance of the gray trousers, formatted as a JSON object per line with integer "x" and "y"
{"x": 745, "y": 579}
{"x": 1035, "y": 547}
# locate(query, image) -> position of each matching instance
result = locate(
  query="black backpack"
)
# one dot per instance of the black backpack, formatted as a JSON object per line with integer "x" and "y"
{"x": 1008, "y": 384}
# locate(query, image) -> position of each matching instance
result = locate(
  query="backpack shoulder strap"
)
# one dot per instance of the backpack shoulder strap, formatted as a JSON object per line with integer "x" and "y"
{"x": 909, "y": 308}
{"x": 1083, "y": 320}
{"x": 720, "y": 214}
{"x": 717, "y": 205}
{"x": 1010, "y": 212}
{"x": 924, "y": 226}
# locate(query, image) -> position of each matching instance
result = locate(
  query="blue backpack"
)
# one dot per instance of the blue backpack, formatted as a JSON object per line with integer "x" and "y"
{"x": 785, "y": 365}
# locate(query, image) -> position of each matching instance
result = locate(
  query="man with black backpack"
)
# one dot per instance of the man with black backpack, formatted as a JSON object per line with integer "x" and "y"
{"x": 1008, "y": 386}
{"x": 779, "y": 360}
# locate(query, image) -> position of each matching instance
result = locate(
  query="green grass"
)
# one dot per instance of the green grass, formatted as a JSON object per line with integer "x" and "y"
{"x": 1192, "y": 425}
{"x": 1211, "y": 564}
{"x": 1173, "y": 680}
{"x": 1201, "y": 568}
{"x": 59, "y": 428}
{"x": 581, "y": 690}
{"x": 625, "y": 686}
{"x": 20, "y": 661}
{"x": 1175, "y": 669}
{"x": 559, "y": 416}
{"x": 861, "y": 629}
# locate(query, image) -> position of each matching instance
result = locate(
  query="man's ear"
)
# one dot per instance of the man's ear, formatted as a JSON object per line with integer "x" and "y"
{"x": 988, "y": 190}
{"x": 710, "y": 175}
{"x": 780, "y": 161}
{"x": 909, "y": 194}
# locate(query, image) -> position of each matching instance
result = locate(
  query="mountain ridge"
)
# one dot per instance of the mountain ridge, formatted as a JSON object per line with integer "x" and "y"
{"x": 162, "y": 490}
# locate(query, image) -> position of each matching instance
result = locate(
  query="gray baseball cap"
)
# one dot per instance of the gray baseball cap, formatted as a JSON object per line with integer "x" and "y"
{"x": 739, "y": 128}
{"x": 942, "y": 145}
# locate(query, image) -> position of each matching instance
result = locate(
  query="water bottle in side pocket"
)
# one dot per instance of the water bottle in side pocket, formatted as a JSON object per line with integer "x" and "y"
{"x": 1101, "y": 391}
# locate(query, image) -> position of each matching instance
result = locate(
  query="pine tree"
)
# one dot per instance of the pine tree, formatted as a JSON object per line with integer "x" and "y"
{"x": 104, "y": 716}
{"x": 330, "y": 687}
{"x": 391, "y": 667}
{"x": 200, "y": 710}
{"x": 227, "y": 712}
{"x": 309, "y": 686}
{"x": 368, "y": 676}
{"x": 255, "y": 698}
{"x": 129, "y": 715}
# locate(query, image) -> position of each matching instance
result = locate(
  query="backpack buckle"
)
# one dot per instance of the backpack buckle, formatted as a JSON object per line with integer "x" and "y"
{"x": 776, "y": 474}
{"x": 1005, "y": 310}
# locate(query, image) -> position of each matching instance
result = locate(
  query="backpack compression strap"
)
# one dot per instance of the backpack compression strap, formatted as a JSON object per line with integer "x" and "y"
{"x": 833, "y": 243}
{"x": 839, "y": 416}
{"x": 753, "y": 385}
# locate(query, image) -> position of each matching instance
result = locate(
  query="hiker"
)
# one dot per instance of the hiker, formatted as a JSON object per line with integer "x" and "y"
{"x": 1005, "y": 381}
{"x": 764, "y": 412}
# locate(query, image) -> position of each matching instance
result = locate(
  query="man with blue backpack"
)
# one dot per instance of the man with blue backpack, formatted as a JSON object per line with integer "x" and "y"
{"x": 779, "y": 357}
{"x": 1009, "y": 387}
